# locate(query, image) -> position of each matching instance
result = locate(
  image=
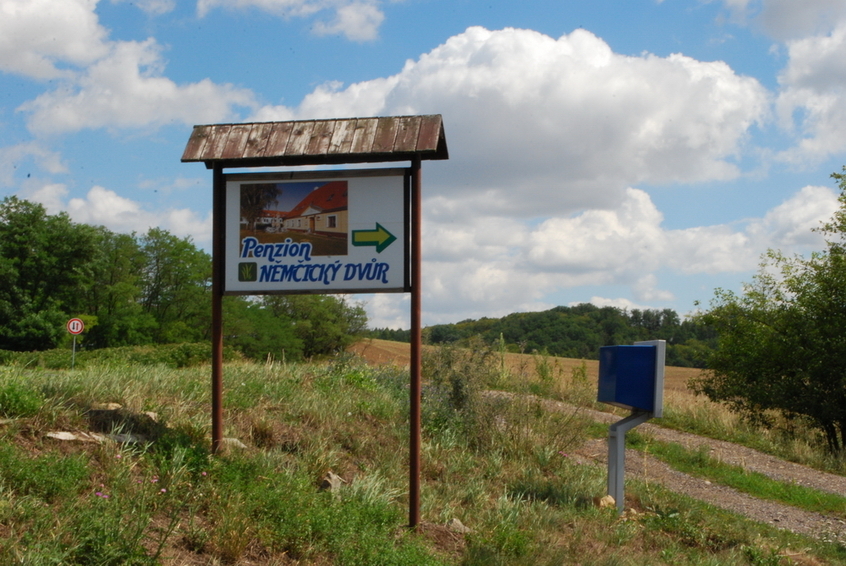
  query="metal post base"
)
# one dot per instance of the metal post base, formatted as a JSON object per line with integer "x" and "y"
{"x": 617, "y": 454}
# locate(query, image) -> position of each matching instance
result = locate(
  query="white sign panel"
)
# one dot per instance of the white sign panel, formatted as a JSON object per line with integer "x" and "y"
{"x": 317, "y": 232}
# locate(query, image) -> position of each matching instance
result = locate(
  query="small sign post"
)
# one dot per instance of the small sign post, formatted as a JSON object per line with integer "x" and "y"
{"x": 631, "y": 377}
{"x": 75, "y": 326}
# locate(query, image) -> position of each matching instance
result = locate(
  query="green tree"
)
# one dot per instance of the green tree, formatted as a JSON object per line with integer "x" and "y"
{"x": 782, "y": 341}
{"x": 254, "y": 329}
{"x": 45, "y": 271}
{"x": 175, "y": 283}
{"x": 115, "y": 296}
{"x": 254, "y": 199}
{"x": 325, "y": 324}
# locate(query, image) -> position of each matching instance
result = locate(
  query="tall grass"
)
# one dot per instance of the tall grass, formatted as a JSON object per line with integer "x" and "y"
{"x": 789, "y": 439}
{"x": 500, "y": 464}
{"x": 575, "y": 383}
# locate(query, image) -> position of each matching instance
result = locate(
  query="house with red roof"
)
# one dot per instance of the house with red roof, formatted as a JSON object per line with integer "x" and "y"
{"x": 323, "y": 211}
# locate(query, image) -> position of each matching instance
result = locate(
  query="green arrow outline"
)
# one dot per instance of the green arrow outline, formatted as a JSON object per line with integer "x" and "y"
{"x": 379, "y": 237}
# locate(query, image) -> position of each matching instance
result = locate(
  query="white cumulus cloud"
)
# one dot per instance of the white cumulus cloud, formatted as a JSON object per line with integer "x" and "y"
{"x": 537, "y": 124}
{"x": 104, "y": 207}
{"x": 38, "y": 38}
{"x": 789, "y": 19}
{"x": 490, "y": 267}
{"x": 357, "y": 20}
{"x": 812, "y": 87}
{"x": 127, "y": 89}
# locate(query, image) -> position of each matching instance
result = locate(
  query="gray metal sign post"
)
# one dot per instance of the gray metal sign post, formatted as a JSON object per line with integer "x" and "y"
{"x": 617, "y": 454}
{"x": 631, "y": 377}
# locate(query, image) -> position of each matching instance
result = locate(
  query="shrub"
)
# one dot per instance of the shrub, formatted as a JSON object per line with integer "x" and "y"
{"x": 19, "y": 400}
{"x": 170, "y": 355}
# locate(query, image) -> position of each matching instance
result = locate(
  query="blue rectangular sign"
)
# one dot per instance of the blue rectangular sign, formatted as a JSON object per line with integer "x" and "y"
{"x": 627, "y": 376}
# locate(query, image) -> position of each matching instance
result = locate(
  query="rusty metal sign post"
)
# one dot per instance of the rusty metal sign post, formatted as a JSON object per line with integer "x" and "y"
{"x": 251, "y": 248}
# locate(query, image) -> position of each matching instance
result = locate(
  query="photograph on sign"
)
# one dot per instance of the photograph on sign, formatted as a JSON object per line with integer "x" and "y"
{"x": 316, "y": 232}
{"x": 310, "y": 212}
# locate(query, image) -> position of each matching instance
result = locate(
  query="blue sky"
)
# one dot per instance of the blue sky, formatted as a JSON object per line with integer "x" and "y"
{"x": 632, "y": 153}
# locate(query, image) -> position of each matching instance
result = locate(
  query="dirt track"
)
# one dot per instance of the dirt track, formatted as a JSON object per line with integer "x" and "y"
{"x": 651, "y": 469}
{"x": 647, "y": 468}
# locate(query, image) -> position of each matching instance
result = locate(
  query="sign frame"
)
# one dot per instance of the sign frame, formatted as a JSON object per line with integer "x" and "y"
{"x": 361, "y": 222}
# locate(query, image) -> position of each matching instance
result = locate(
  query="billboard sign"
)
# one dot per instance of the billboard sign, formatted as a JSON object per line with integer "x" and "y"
{"x": 317, "y": 232}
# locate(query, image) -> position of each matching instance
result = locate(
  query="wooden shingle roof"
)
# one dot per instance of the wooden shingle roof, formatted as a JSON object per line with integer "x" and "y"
{"x": 313, "y": 142}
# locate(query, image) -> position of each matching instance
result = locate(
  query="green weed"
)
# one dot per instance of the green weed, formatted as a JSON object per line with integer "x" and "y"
{"x": 48, "y": 476}
{"x": 18, "y": 399}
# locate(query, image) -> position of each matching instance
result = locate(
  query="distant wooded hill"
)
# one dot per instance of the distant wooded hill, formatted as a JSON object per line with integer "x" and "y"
{"x": 577, "y": 332}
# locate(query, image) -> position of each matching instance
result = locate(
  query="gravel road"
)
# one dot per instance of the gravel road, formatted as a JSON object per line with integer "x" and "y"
{"x": 651, "y": 469}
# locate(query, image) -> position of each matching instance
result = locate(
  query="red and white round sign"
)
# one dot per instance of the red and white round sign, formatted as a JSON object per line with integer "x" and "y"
{"x": 75, "y": 326}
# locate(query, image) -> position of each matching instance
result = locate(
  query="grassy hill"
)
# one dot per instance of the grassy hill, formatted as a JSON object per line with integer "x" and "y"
{"x": 136, "y": 483}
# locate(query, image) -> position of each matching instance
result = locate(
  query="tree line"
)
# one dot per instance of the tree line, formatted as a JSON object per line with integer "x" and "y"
{"x": 153, "y": 288}
{"x": 578, "y": 332}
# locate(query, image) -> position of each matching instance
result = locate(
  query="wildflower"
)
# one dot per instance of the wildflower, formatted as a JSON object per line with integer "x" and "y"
{"x": 163, "y": 490}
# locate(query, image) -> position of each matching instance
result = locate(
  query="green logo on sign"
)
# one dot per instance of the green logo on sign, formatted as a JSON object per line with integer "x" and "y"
{"x": 247, "y": 272}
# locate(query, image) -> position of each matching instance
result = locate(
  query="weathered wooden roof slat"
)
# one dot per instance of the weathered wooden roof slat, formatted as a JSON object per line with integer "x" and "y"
{"x": 386, "y": 134}
{"x": 216, "y": 142}
{"x": 300, "y": 136}
{"x": 312, "y": 142}
{"x": 257, "y": 141}
{"x": 236, "y": 141}
{"x": 197, "y": 142}
{"x": 407, "y": 134}
{"x": 280, "y": 133}
{"x": 430, "y": 131}
{"x": 365, "y": 131}
{"x": 320, "y": 137}
{"x": 342, "y": 137}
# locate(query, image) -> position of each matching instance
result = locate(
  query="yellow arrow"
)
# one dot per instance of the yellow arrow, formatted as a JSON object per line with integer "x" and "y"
{"x": 379, "y": 237}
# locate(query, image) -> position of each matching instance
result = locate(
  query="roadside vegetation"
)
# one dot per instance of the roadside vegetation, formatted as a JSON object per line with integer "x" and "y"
{"x": 143, "y": 290}
{"x": 781, "y": 346}
{"x": 501, "y": 466}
